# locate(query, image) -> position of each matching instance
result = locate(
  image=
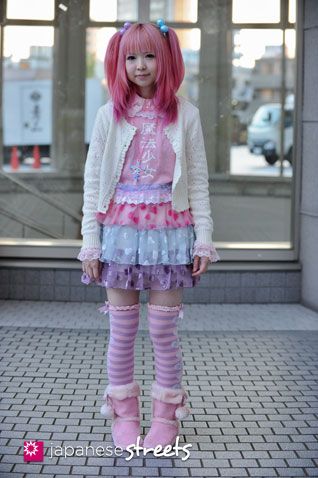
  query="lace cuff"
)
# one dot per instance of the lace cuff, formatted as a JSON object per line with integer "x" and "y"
{"x": 89, "y": 253}
{"x": 207, "y": 251}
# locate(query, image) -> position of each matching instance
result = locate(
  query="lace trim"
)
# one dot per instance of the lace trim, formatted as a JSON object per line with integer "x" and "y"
{"x": 142, "y": 187}
{"x": 147, "y": 105}
{"x": 146, "y": 197}
{"x": 89, "y": 254}
{"x": 144, "y": 114}
{"x": 165, "y": 308}
{"x": 142, "y": 193}
{"x": 107, "y": 307}
{"x": 206, "y": 251}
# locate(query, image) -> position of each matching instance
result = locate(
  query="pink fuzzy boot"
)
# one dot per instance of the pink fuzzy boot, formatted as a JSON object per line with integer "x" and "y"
{"x": 168, "y": 405}
{"x": 122, "y": 405}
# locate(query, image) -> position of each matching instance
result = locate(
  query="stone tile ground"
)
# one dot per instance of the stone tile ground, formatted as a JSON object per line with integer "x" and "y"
{"x": 250, "y": 372}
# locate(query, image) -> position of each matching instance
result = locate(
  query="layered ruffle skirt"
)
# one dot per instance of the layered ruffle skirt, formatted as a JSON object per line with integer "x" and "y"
{"x": 146, "y": 245}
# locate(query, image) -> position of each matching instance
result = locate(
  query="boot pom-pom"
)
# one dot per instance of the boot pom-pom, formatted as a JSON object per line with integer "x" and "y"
{"x": 182, "y": 412}
{"x": 107, "y": 411}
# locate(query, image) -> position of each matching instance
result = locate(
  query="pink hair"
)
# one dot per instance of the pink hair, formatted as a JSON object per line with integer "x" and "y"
{"x": 141, "y": 37}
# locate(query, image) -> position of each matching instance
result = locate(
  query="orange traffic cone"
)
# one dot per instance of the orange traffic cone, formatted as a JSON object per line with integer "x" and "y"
{"x": 37, "y": 157}
{"x": 14, "y": 158}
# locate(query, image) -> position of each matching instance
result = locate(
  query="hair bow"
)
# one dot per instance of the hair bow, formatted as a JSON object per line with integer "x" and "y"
{"x": 162, "y": 26}
{"x": 125, "y": 28}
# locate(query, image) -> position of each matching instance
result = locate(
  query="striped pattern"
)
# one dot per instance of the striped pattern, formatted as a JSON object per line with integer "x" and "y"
{"x": 163, "y": 330}
{"x": 121, "y": 352}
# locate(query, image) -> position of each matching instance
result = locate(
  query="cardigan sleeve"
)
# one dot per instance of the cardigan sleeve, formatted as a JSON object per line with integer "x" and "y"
{"x": 90, "y": 229}
{"x": 198, "y": 187}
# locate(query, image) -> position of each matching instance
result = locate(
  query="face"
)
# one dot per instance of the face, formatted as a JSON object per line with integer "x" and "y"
{"x": 141, "y": 70}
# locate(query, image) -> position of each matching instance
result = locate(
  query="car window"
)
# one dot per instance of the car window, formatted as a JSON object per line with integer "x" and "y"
{"x": 263, "y": 117}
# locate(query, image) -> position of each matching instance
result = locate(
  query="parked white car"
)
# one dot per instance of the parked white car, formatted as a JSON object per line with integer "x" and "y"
{"x": 263, "y": 133}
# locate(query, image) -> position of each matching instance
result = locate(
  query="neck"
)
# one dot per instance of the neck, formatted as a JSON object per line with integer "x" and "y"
{"x": 146, "y": 92}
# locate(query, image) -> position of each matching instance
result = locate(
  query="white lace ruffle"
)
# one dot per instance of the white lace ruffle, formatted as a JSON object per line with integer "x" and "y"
{"x": 89, "y": 254}
{"x": 166, "y": 308}
{"x": 138, "y": 197}
{"x": 207, "y": 251}
{"x": 146, "y": 114}
{"x": 145, "y": 104}
{"x": 109, "y": 307}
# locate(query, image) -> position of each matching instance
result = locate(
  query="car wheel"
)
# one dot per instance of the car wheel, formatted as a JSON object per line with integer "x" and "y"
{"x": 271, "y": 158}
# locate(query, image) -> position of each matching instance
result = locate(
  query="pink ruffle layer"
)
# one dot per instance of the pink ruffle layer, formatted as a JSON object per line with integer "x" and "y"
{"x": 145, "y": 216}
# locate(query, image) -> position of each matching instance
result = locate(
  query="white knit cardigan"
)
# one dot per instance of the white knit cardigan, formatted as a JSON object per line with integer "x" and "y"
{"x": 190, "y": 187}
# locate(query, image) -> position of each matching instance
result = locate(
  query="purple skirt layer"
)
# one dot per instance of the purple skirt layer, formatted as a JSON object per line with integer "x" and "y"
{"x": 140, "y": 277}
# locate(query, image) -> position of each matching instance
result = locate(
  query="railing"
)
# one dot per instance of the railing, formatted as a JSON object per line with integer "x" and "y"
{"x": 22, "y": 219}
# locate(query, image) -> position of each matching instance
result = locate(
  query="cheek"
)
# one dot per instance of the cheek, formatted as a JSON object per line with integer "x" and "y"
{"x": 128, "y": 70}
{"x": 151, "y": 67}
{"x": 129, "y": 66}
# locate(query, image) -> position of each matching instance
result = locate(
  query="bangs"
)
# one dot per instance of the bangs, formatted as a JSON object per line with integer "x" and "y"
{"x": 139, "y": 40}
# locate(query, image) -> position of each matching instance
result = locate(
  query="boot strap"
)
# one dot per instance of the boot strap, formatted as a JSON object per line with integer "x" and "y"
{"x": 166, "y": 421}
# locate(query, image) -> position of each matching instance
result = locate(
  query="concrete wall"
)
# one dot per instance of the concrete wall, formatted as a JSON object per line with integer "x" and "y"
{"x": 252, "y": 286}
{"x": 309, "y": 184}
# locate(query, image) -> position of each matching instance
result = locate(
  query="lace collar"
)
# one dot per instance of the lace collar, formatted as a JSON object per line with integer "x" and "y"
{"x": 143, "y": 107}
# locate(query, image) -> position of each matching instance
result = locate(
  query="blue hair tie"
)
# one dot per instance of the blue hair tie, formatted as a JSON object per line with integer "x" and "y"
{"x": 162, "y": 26}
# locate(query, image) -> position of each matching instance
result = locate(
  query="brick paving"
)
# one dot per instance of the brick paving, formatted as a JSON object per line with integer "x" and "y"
{"x": 250, "y": 372}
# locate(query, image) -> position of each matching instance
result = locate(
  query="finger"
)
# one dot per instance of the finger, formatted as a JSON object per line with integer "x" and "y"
{"x": 196, "y": 266}
{"x": 198, "y": 272}
{"x": 205, "y": 263}
{"x": 196, "y": 263}
{"x": 95, "y": 272}
{"x": 90, "y": 272}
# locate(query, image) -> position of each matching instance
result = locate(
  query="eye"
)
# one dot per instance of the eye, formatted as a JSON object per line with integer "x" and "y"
{"x": 150, "y": 55}
{"x": 130, "y": 57}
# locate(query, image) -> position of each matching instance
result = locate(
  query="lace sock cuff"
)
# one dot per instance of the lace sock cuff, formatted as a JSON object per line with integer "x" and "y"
{"x": 107, "y": 307}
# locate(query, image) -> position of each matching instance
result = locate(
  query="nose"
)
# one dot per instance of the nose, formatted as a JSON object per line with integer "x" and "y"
{"x": 140, "y": 63}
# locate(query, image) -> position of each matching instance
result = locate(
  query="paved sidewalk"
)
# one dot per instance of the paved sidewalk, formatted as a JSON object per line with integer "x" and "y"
{"x": 250, "y": 372}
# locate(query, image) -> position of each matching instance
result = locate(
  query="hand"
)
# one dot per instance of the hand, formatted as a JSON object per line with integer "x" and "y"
{"x": 200, "y": 265}
{"x": 92, "y": 268}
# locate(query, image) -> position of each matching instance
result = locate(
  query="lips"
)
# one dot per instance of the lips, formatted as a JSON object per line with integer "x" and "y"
{"x": 142, "y": 76}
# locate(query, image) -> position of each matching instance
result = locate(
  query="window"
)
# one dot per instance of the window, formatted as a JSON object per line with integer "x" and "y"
{"x": 240, "y": 72}
{"x": 27, "y": 74}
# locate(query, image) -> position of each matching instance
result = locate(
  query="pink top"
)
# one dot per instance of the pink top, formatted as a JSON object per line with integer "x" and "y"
{"x": 150, "y": 157}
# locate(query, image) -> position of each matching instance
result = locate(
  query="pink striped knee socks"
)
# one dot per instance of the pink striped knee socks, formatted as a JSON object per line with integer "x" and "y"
{"x": 163, "y": 329}
{"x": 124, "y": 321}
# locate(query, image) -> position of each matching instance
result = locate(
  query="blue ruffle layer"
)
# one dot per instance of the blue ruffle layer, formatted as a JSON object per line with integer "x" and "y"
{"x": 127, "y": 245}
